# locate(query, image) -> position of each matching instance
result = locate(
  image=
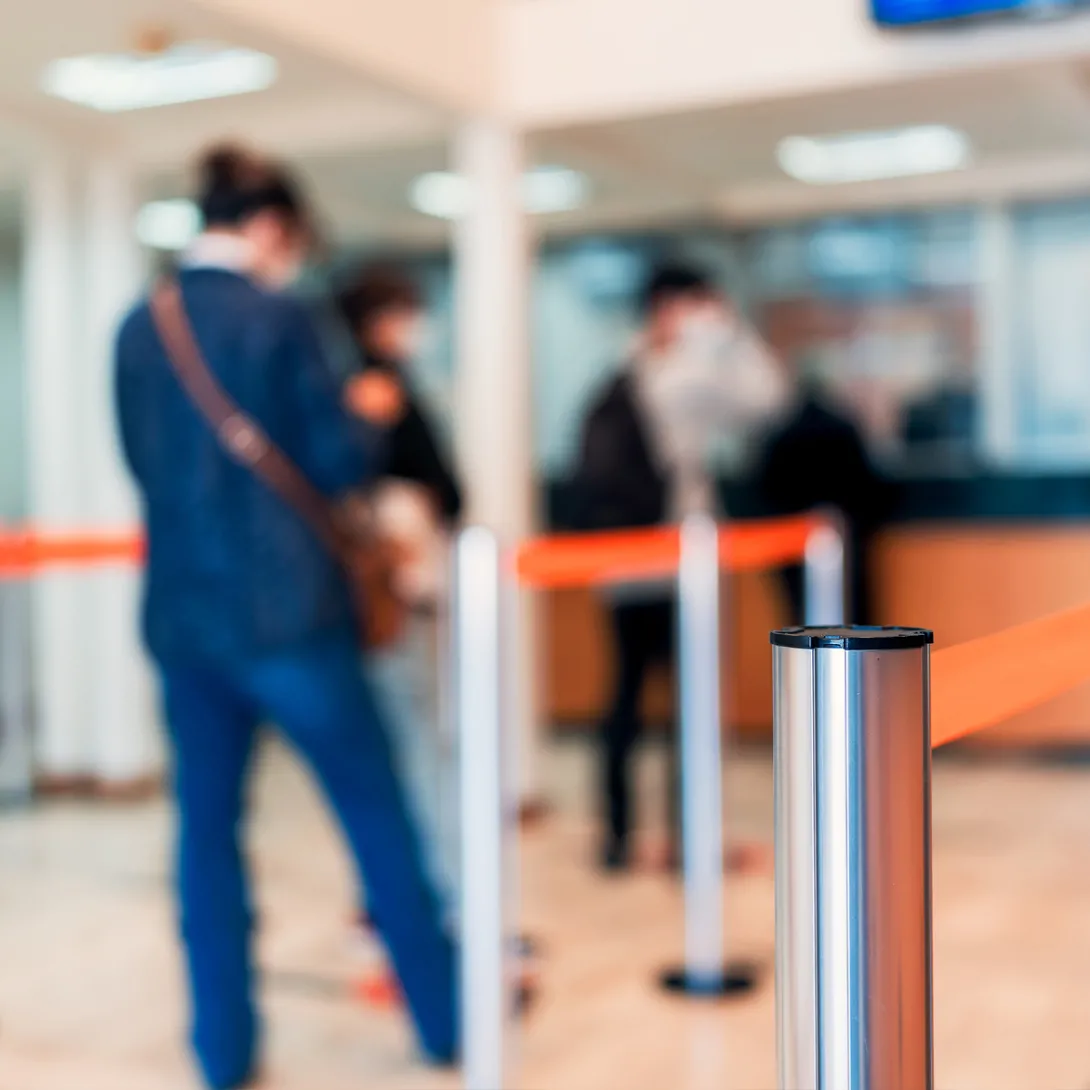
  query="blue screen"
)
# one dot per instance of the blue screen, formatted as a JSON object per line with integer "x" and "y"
{"x": 909, "y": 12}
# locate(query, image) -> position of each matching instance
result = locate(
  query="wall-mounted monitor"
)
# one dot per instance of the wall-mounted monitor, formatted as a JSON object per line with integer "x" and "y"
{"x": 918, "y": 12}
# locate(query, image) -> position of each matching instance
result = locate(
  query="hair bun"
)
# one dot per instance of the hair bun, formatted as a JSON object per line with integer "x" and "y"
{"x": 234, "y": 182}
{"x": 226, "y": 167}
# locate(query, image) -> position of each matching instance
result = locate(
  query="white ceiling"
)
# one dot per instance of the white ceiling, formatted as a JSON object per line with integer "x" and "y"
{"x": 1029, "y": 129}
{"x": 316, "y": 103}
{"x": 361, "y": 145}
{"x": 1017, "y": 121}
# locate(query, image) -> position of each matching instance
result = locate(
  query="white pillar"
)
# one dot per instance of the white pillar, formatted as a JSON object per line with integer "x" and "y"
{"x": 124, "y": 742}
{"x": 61, "y": 677}
{"x": 494, "y": 418}
{"x": 82, "y": 267}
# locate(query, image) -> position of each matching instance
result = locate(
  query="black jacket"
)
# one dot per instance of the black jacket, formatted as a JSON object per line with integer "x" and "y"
{"x": 617, "y": 483}
{"x": 412, "y": 449}
{"x": 818, "y": 458}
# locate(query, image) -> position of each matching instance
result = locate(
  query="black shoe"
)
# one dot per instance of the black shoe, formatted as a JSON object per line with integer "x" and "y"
{"x": 446, "y": 1062}
{"x": 253, "y": 1081}
{"x": 525, "y": 997}
{"x": 615, "y": 857}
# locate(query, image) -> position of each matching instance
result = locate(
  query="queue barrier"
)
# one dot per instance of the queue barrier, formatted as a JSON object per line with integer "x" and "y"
{"x": 854, "y": 730}
{"x": 857, "y": 715}
{"x": 694, "y": 555}
{"x": 483, "y": 587}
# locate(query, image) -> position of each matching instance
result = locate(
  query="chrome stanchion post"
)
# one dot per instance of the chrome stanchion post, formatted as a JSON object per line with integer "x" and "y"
{"x": 478, "y": 675}
{"x": 824, "y": 567}
{"x": 853, "y": 859}
{"x": 702, "y": 767}
{"x": 795, "y": 808}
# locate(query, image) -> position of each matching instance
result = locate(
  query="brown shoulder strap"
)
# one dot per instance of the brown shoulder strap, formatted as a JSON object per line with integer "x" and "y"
{"x": 237, "y": 434}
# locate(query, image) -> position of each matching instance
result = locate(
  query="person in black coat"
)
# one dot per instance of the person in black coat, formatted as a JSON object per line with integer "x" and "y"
{"x": 619, "y": 484}
{"x": 818, "y": 458}
{"x": 697, "y": 371}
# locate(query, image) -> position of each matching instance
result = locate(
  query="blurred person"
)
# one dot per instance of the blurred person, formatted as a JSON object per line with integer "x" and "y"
{"x": 377, "y": 392}
{"x": 249, "y": 618}
{"x": 816, "y": 458}
{"x": 417, "y": 501}
{"x": 697, "y": 370}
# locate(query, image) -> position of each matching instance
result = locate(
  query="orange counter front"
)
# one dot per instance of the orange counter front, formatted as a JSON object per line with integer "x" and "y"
{"x": 962, "y": 580}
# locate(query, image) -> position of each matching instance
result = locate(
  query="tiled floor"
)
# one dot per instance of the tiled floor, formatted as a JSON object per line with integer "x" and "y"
{"x": 90, "y": 996}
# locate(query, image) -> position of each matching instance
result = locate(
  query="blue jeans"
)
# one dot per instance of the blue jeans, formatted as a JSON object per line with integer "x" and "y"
{"x": 317, "y": 695}
{"x": 407, "y": 686}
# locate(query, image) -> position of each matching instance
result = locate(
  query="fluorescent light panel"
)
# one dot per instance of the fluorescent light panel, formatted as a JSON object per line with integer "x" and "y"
{"x": 168, "y": 225}
{"x": 440, "y": 194}
{"x": 190, "y": 72}
{"x": 872, "y": 156}
{"x": 554, "y": 189}
{"x": 545, "y": 189}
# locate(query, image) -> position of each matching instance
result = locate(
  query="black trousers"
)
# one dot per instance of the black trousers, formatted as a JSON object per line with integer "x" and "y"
{"x": 644, "y": 637}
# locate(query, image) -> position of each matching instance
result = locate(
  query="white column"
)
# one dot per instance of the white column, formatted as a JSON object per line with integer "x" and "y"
{"x": 124, "y": 741}
{"x": 494, "y": 419}
{"x": 61, "y": 675}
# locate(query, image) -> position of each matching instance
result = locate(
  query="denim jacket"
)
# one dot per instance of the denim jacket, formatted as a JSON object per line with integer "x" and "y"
{"x": 232, "y": 571}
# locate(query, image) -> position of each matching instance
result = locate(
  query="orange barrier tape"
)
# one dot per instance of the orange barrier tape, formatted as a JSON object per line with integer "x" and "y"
{"x": 579, "y": 560}
{"x": 24, "y": 553}
{"x": 980, "y": 683}
{"x": 563, "y": 560}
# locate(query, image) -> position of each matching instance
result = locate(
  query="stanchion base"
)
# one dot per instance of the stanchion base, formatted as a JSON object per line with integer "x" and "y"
{"x": 735, "y": 980}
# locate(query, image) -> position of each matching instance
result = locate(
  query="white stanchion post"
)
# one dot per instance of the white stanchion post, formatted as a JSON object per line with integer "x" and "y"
{"x": 16, "y": 771}
{"x": 825, "y": 577}
{"x": 478, "y": 675}
{"x": 701, "y": 756}
{"x": 699, "y": 652}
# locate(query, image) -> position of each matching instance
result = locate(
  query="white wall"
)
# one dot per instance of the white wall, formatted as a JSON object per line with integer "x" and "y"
{"x": 584, "y": 60}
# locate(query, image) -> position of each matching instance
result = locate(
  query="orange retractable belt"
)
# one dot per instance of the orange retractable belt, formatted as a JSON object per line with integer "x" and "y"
{"x": 579, "y": 560}
{"x": 26, "y": 552}
{"x": 980, "y": 683}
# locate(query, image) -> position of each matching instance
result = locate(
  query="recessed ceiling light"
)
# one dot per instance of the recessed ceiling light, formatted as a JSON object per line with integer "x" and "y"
{"x": 441, "y": 194}
{"x": 545, "y": 189}
{"x": 190, "y": 72}
{"x": 554, "y": 189}
{"x": 168, "y": 225}
{"x": 870, "y": 156}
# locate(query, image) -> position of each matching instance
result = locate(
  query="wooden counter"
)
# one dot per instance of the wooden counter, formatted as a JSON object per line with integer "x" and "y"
{"x": 962, "y": 581}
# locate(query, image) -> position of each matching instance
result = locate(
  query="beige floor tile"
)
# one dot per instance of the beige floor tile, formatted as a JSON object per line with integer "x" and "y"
{"x": 90, "y": 992}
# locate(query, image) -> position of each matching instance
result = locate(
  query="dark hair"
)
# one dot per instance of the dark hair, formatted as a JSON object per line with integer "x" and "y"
{"x": 376, "y": 289}
{"x": 667, "y": 281}
{"x": 235, "y": 184}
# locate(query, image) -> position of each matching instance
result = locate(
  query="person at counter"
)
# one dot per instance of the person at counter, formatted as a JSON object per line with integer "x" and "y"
{"x": 818, "y": 458}
{"x": 697, "y": 370}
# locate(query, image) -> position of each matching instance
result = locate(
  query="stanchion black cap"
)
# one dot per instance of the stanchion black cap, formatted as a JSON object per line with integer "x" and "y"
{"x": 853, "y": 638}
